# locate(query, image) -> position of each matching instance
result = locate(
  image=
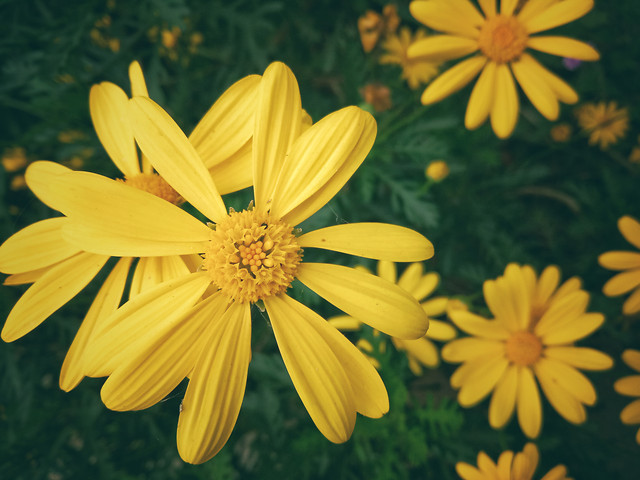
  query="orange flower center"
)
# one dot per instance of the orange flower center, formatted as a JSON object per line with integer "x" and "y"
{"x": 523, "y": 348}
{"x": 502, "y": 38}
{"x": 156, "y": 185}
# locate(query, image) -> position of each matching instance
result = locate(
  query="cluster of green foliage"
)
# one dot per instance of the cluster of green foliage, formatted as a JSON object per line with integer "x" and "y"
{"x": 527, "y": 199}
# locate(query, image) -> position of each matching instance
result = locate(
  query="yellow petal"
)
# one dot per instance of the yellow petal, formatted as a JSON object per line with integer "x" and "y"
{"x": 321, "y": 161}
{"x": 477, "y": 387}
{"x": 526, "y": 462}
{"x": 34, "y": 247}
{"x": 453, "y": 79}
{"x": 439, "y": 330}
{"x": 278, "y": 122}
{"x": 503, "y": 400}
{"x": 546, "y": 285}
{"x": 235, "y": 173}
{"x": 560, "y": 399}
{"x": 620, "y": 260}
{"x": 632, "y": 304}
{"x": 316, "y": 372}
{"x": 628, "y": 386}
{"x": 410, "y": 277}
{"x": 24, "y": 278}
{"x": 345, "y": 323}
{"x": 632, "y": 358}
{"x": 469, "y": 472}
{"x": 476, "y": 325}
{"x": 387, "y": 270}
{"x": 529, "y": 405}
{"x": 538, "y": 92}
{"x": 561, "y": 312}
{"x": 505, "y": 461}
{"x": 111, "y": 120}
{"x": 136, "y": 77}
{"x": 425, "y": 287}
{"x": 40, "y": 176}
{"x": 162, "y": 358}
{"x": 370, "y": 299}
{"x": 105, "y": 303}
{"x": 631, "y": 413}
{"x": 481, "y": 98}
{"x": 532, "y": 8}
{"x": 216, "y": 387}
{"x": 228, "y": 125}
{"x": 557, "y": 14}
{"x": 488, "y": 7}
{"x": 469, "y": 348}
{"x": 371, "y": 240}
{"x": 574, "y": 330}
{"x": 622, "y": 283}
{"x": 369, "y": 393}
{"x": 564, "y": 47}
{"x": 507, "y": 7}
{"x": 151, "y": 271}
{"x": 571, "y": 379}
{"x": 50, "y": 292}
{"x": 444, "y": 16}
{"x": 438, "y": 48}
{"x": 115, "y": 338}
{"x": 504, "y": 113}
{"x": 421, "y": 350}
{"x": 131, "y": 223}
{"x": 469, "y": 370}
{"x": 580, "y": 357}
{"x": 174, "y": 158}
{"x": 629, "y": 228}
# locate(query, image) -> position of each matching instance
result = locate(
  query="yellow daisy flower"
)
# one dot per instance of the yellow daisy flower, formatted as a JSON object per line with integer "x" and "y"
{"x": 629, "y": 262}
{"x": 531, "y": 337}
{"x": 499, "y": 41}
{"x": 40, "y": 255}
{"x": 422, "y": 351}
{"x": 604, "y": 122}
{"x": 414, "y": 70}
{"x": 630, "y": 386}
{"x": 164, "y": 335}
{"x": 520, "y": 467}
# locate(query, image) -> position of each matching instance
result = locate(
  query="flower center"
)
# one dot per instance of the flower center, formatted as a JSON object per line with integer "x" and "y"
{"x": 252, "y": 256}
{"x": 523, "y": 348}
{"x": 156, "y": 185}
{"x": 502, "y": 38}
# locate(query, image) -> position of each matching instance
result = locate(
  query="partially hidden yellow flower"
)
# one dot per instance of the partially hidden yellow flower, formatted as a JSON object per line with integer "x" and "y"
{"x": 604, "y": 122}
{"x": 498, "y": 42}
{"x": 522, "y": 466}
{"x": 166, "y": 334}
{"x": 14, "y": 159}
{"x": 630, "y": 386}
{"x": 437, "y": 170}
{"x": 415, "y": 71}
{"x": 628, "y": 263}
{"x": 561, "y": 132}
{"x": 372, "y": 26}
{"x": 39, "y": 253}
{"x": 422, "y": 351}
{"x": 531, "y": 337}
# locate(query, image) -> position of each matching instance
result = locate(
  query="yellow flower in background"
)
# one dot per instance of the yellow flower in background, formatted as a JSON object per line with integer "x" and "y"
{"x": 561, "y": 132}
{"x": 372, "y": 26}
{"x": 422, "y": 351}
{"x": 414, "y": 70}
{"x": 39, "y": 254}
{"x": 629, "y": 263}
{"x": 531, "y": 337}
{"x": 630, "y": 386}
{"x": 437, "y": 170}
{"x": 508, "y": 467}
{"x": 170, "y": 37}
{"x": 14, "y": 159}
{"x": 248, "y": 257}
{"x": 378, "y": 96}
{"x": 498, "y": 41}
{"x": 604, "y": 122}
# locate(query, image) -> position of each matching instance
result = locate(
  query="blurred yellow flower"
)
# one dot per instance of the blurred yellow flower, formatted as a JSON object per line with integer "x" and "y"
{"x": 170, "y": 37}
{"x": 508, "y": 467}
{"x": 420, "y": 352}
{"x": 414, "y": 70}
{"x": 604, "y": 122}
{"x": 498, "y": 42}
{"x": 531, "y": 337}
{"x": 561, "y": 132}
{"x": 17, "y": 183}
{"x": 70, "y": 136}
{"x": 14, "y": 159}
{"x": 378, "y": 96}
{"x": 437, "y": 170}
{"x": 634, "y": 156}
{"x": 629, "y": 263}
{"x": 372, "y": 25}
{"x": 630, "y": 386}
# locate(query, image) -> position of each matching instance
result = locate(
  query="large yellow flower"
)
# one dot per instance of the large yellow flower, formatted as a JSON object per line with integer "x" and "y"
{"x": 508, "y": 467}
{"x": 531, "y": 337}
{"x": 422, "y": 351}
{"x": 630, "y": 386}
{"x": 499, "y": 41}
{"x": 38, "y": 254}
{"x": 629, "y": 263}
{"x": 166, "y": 334}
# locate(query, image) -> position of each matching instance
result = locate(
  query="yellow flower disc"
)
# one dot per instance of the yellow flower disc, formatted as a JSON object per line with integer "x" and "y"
{"x": 156, "y": 185}
{"x": 523, "y": 348}
{"x": 502, "y": 38}
{"x": 251, "y": 256}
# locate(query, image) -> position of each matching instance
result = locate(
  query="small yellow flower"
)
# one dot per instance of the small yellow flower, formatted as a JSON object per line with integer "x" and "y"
{"x": 604, "y": 122}
{"x": 70, "y": 136}
{"x": 629, "y": 262}
{"x": 18, "y": 183}
{"x": 170, "y": 37}
{"x": 372, "y": 25}
{"x": 14, "y": 159}
{"x": 437, "y": 170}
{"x": 114, "y": 44}
{"x": 378, "y": 96}
{"x": 630, "y": 386}
{"x": 497, "y": 43}
{"x": 414, "y": 70}
{"x": 508, "y": 467}
{"x": 561, "y": 132}
{"x": 531, "y": 337}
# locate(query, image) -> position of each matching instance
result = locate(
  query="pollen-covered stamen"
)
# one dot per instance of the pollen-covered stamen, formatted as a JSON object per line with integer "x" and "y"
{"x": 156, "y": 185}
{"x": 523, "y": 348}
{"x": 502, "y": 38}
{"x": 252, "y": 256}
